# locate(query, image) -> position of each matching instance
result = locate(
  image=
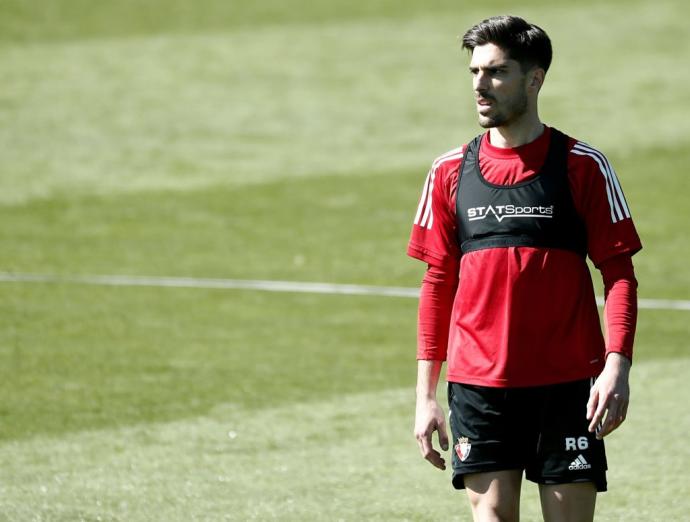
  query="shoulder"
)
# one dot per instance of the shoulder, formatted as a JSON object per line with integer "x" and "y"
{"x": 439, "y": 187}
{"x": 444, "y": 169}
{"x": 594, "y": 176}
{"x": 444, "y": 172}
{"x": 449, "y": 160}
{"x": 589, "y": 166}
{"x": 585, "y": 156}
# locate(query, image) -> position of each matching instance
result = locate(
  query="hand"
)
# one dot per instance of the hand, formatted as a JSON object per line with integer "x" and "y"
{"x": 428, "y": 419}
{"x": 610, "y": 394}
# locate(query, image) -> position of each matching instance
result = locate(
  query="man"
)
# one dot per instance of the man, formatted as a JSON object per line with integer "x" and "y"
{"x": 505, "y": 224}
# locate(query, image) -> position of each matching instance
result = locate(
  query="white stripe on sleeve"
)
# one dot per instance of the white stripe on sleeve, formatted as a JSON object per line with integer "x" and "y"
{"x": 428, "y": 218}
{"x": 422, "y": 201}
{"x": 425, "y": 212}
{"x": 612, "y": 178}
{"x": 614, "y": 193}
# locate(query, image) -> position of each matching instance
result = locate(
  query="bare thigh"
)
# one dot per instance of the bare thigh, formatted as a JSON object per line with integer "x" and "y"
{"x": 494, "y": 496}
{"x": 568, "y": 502}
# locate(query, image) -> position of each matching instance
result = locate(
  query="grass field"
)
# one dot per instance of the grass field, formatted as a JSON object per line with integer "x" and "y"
{"x": 287, "y": 140}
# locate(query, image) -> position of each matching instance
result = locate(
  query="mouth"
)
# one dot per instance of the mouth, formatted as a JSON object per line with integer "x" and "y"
{"x": 484, "y": 105}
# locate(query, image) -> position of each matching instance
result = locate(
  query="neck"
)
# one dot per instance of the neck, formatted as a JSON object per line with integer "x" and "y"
{"x": 523, "y": 131}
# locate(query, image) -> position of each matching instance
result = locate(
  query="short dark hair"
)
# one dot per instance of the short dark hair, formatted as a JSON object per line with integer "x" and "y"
{"x": 525, "y": 43}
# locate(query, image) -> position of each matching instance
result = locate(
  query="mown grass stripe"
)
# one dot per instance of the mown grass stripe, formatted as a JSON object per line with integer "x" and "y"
{"x": 268, "y": 286}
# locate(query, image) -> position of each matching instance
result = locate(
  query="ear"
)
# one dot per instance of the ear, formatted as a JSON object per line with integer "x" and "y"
{"x": 536, "y": 78}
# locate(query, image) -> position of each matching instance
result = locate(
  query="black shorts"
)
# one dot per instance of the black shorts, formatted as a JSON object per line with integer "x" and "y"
{"x": 542, "y": 430}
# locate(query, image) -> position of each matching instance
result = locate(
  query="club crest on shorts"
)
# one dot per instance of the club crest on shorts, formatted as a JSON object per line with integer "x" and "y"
{"x": 462, "y": 448}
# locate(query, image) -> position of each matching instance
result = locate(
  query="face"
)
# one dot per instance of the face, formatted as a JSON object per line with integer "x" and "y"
{"x": 500, "y": 87}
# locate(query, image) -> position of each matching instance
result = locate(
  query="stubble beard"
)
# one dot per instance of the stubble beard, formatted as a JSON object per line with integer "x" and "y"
{"x": 513, "y": 110}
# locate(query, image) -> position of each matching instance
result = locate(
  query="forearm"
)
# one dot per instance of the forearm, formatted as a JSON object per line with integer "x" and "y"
{"x": 428, "y": 373}
{"x": 620, "y": 310}
{"x": 435, "y": 305}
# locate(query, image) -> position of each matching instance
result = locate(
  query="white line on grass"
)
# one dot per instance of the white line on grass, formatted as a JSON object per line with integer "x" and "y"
{"x": 267, "y": 286}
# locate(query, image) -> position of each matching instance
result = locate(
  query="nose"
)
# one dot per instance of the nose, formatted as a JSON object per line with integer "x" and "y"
{"x": 480, "y": 81}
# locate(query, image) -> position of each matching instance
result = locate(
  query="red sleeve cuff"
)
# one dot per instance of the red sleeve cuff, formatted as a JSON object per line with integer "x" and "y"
{"x": 627, "y": 352}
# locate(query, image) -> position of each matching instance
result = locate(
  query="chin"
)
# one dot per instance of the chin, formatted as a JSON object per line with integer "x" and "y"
{"x": 487, "y": 123}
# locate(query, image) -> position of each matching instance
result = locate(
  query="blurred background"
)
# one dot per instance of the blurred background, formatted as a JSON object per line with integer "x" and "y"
{"x": 287, "y": 141}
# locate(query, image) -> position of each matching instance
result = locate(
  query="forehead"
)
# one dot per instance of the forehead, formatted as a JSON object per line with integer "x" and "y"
{"x": 490, "y": 55}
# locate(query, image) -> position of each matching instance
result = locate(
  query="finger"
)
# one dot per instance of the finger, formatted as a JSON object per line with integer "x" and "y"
{"x": 424, "y": 442}
{"x": 427, "y": 450}
{"x": 436, "y": 459}
{"x": 420, "y": 445}
{"x": 425, "y": 445}
{"x": 622, "y": 409}
{"x": 610, "y": 424}
{"x": 592, "y": 403}
{"x": 597, "y": 416}
{"x": 607, "y": 424}
{"x": 443, "y": 436}
{"x": 592, "y": 407}
{"x": 614, "y": 416}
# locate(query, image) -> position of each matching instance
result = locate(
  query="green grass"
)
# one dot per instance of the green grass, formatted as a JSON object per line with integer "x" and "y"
{"x": 79, "y": 19}
{"x": 286, "y": 140}
{"x": 338, "y": 458}
{"x": 117, "y": 356}
{"x": 327, "y": 228}
{"x": 339, "y": 97}
{"x": 76, "y": 357}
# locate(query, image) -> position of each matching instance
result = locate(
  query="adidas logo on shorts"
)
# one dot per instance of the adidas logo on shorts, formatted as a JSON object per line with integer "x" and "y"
{"x": 579, "y": 464}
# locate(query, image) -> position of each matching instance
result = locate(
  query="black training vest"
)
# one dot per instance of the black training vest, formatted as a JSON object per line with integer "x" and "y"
{"x": 538, "y": 212}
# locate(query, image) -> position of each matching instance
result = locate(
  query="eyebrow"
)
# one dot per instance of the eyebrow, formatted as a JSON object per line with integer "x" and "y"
{"x": 496, "y": 67}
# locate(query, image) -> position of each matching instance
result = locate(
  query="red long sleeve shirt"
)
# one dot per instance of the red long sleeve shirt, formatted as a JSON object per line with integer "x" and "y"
{"x": 522, "y": 316}
{"x": 438, "y": 291}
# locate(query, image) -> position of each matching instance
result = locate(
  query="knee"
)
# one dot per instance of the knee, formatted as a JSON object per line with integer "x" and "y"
{"x": 486, "y": 508}
{"x": 496, "y": 515}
